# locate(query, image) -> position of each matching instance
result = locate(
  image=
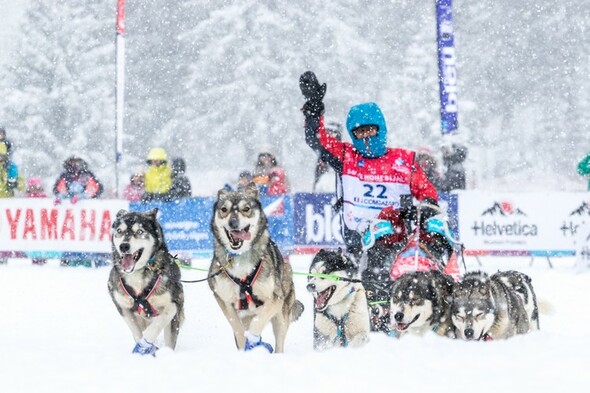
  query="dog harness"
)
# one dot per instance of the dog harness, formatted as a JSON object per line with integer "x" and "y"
{"x": 340, "y": 328}
{"x": 140, "y": 301}
{"x": 340, "y": 324}
{"x": 246, "y": 293}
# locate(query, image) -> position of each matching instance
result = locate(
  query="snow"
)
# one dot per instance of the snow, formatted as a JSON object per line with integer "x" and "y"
{"x": 61, "y": 333}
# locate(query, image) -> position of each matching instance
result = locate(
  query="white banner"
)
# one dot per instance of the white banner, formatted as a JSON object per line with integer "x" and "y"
{"x": 39, "y": 226}
{"x": 531, "y": 223}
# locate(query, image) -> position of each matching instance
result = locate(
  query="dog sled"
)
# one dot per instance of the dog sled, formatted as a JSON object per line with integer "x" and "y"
{"x": 397, "y": 243}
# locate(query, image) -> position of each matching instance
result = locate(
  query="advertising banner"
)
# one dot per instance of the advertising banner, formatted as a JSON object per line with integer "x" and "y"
{"x": 36, "y": 225}
{"x": 187, "y": 224}
{"x": 447, "y": 67}
{"x": 527, "y": 224}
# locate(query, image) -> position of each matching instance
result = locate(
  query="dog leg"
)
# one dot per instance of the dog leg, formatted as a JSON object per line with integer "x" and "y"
{"x": 157, "y": 324}
{"x": 232, "y": 317}
{"x": 263, "y": 317}
{"x": 171, "y": 332}
{"x": 280, "y": 326}
{"x": 134, "y": 324}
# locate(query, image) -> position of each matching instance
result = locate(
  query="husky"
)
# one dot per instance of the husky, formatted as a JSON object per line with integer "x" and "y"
{"x": 522, "y": 285}
{"x": 249, "y": 279}
{"x": 421, "y": 301}
{"x": 341, "y": 313}
{"x": 485, "y": 308}
{"x": 144, "y": 282}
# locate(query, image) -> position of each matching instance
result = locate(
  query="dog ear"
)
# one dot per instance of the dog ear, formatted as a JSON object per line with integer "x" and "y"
{"x": 222, "y": 193}
{"x": 153, "y": 213}
{"x": 251, "y": 190}
{"x": 121, "y": 213}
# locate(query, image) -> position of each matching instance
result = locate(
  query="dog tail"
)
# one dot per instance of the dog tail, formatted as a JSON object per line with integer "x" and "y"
{"x": 296, "y": 310}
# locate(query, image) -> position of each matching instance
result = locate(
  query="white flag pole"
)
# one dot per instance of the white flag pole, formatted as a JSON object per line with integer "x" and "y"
{"x": 120, "y": 90}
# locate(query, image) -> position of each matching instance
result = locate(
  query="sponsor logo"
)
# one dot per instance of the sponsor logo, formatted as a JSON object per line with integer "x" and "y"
{"x": 570, "y": 226}
{"x": 323, "y": 226}
{"x": 501, "y": 227}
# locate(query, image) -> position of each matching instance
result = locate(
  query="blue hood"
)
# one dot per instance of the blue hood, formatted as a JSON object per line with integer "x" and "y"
{"x": 366, "y": 114}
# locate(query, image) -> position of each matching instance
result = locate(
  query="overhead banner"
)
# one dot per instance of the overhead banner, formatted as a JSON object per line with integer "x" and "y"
{"x": 544, "y": 224}
{"x": 447, "y": 71}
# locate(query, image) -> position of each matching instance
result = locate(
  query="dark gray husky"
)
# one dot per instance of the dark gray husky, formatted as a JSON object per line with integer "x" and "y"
{"x": 145, "y": 281}
{"x": 249, "y": 279}
{"x": 489, "y": 307}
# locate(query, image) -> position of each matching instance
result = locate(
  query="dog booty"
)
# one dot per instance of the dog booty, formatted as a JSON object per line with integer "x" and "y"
{"x": 144, "y": 347}
{"x": 253, "y": 341}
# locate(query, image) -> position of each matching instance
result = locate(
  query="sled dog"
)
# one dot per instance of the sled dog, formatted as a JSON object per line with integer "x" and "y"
{"x": 522, "y": 285}
{"x": 341, "y": 314}
{"x": 249, "y": 279}
{"x": 421, "y": 301}
{"x": 144, "y": 281}
{"x": 485, "y": 308}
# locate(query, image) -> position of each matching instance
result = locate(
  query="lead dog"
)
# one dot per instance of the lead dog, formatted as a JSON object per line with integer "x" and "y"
{"x": 420, "y": 302}
{"x": 341, "y": 314}
{"x": 144, "y": 281}
{"x": 249, "y": 279}
{"x": 486, "y": 308}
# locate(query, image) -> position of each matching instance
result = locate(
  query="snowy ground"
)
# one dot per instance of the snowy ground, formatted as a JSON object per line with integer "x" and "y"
{"x": 61, "y": 333}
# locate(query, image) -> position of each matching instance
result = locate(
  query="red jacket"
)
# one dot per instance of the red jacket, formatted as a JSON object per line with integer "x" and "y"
{"x": 371, "y": 184}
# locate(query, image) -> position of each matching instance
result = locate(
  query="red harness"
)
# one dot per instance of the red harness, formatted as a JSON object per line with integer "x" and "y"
{"x": 246, "y": 294}
{"x": 140, "y": 301}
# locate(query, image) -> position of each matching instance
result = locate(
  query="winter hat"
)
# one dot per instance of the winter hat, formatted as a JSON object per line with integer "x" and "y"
{"x": 366, "y": 114}
{"x": 157, "y": 154}
{"x": 34, "y": 181}
{"x": 178, "y": 165}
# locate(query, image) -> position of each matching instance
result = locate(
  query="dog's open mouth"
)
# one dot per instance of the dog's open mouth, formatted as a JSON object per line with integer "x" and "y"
{"x": 128, "y": 260}
{"x": 236, "y": 238}
{"x": 403, "y": 326}
{"x": 322, "y": 298}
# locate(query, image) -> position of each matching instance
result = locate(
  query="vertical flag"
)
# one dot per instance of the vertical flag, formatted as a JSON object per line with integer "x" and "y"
{"x": 447, "y": 71}
{"x": 120, "y": 89}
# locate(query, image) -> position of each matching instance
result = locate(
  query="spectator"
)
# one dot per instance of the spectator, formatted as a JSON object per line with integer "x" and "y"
{"x": 158, "y": 177}
{"x": 278, "y": 182}
{"x": 7, "y": 142}
{"x": 264, "y": 164}
{"x": 181, "y": 185}
{"x": 454, "y": 177}
{"x": 10, "y": 178}
{"x": 76, "y": 182}
{"x": 429, "y": 165}
{"x": 584, "y": 168}
{"x": 322, "y": 167}
{"x": 35, "y": 190}
{"x": 244, "y": 179}
{"x": 133, "y": 191}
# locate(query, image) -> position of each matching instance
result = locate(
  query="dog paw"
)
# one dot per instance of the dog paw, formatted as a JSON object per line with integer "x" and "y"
{"x": 144, "y": 347}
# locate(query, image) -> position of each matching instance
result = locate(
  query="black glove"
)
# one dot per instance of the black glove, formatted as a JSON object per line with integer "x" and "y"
{"x": 313, "y": 93}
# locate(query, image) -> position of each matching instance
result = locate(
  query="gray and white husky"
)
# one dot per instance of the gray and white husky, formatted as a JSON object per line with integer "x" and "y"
{"x": 421, "y": 302}
{"x": 250, "y": 281}
{"x": 341, "y": 314}
{"x": 487, "y": 308}
{"x": 144, "y": 282}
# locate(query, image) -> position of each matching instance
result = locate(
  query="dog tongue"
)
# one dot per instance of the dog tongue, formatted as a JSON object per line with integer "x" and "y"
{"x": 242, "y": 235}
{"x": 127, "y": 262}
{"x": 321, "y": 299}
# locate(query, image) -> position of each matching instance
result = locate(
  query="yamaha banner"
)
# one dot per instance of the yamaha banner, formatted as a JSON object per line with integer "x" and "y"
{"x": 447, "y": 71}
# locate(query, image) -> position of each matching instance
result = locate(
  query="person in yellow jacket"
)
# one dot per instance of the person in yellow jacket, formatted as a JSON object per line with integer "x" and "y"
{"x": 158, "y": 177}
